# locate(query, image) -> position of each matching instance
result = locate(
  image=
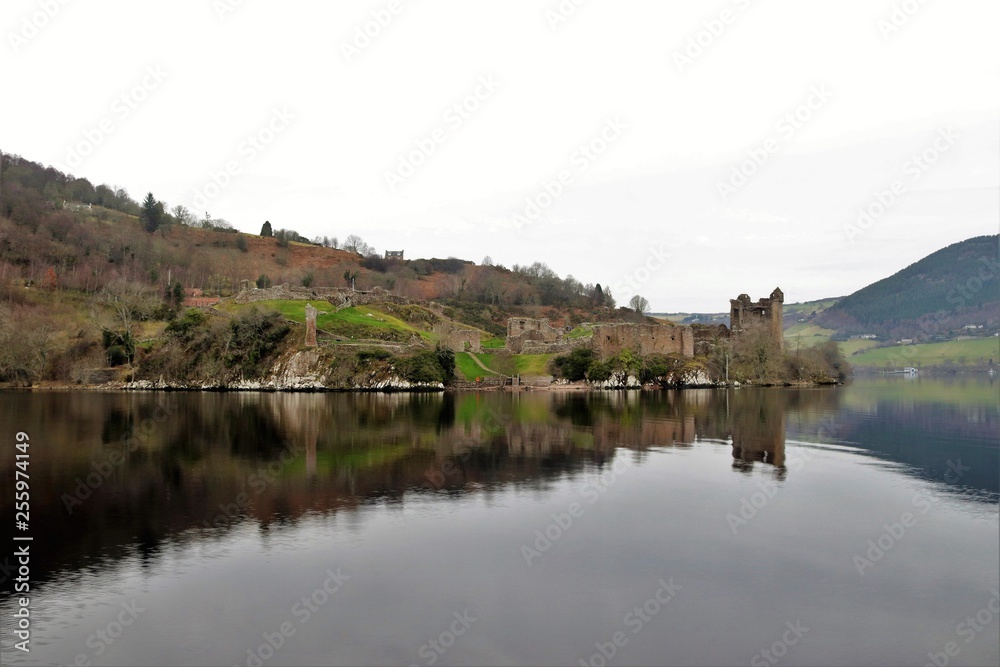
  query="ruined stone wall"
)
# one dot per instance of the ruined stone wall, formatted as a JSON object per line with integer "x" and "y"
{"x": 768, "y": 312}
{"x": 707, "y": 336}
{"x": 522, "y": 330}
{"x": 458, "y": 338}
{"x": 646, "y": 339}
{"x": 341, "y": 297}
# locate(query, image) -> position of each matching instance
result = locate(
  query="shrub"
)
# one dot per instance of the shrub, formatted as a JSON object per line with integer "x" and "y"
{"x": 253, "y": 335}
{"x": 574, "y": 365}
{"x": 599, "y": 371}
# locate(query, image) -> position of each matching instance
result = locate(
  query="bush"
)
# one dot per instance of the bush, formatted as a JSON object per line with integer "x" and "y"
{"x": 574, "y": 365}
{"x": 599, "y": 371}
{"x": 364, "y": 356}
{"x": 253, "y": 335}
{"x": 182, "y": 328}
{"x": 375, "y": 263}
{"x": 424, "y": 368}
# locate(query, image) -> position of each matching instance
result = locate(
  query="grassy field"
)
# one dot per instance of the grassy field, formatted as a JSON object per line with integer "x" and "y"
{"x": 523, "y": 364}
{"x": 580, "y": 332}
{"x": 958, "y": 352}
{"x": 806, "y": 335}
{"x": 468, "y": 368}
{"x": 359, "y": 322}
{"x": 856, "y": 345}
{"x": 494, "y": 343}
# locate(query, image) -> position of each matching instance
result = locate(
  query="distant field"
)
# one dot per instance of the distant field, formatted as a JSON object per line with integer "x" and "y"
{"x": 958, "y": 352}
{"x": 856, "y": 345}
{"x": 807, "y": 334}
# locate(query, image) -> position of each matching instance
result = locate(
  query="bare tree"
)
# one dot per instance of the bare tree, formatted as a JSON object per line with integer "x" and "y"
{"x": 639, "y": 304}
{"x": 125, "y": 304}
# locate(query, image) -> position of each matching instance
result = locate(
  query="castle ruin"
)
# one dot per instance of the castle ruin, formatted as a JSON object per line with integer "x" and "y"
{"x": 768, "y": 312}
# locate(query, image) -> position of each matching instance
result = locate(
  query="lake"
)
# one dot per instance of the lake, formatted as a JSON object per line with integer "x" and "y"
{"x": 820, "y": 526}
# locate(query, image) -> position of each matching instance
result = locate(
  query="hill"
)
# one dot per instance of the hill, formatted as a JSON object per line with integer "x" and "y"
{"x": 80, "y": 264}
{"x": 935, "y": 298}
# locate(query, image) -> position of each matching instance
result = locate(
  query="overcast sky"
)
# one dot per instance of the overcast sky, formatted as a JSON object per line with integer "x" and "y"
{"x": 687, "y": 150}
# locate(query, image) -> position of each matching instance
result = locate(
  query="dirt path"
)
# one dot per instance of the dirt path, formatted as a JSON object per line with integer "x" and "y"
{"x": 482, "y": 365}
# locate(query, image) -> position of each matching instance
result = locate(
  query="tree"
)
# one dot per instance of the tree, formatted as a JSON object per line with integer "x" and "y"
{"x": 128, "y": 303}
{"x": 639, "y": 304}
{"x": 50, "y": 281}
{"x": 598, "y": 295}
{"x": 266, "y": 230}
{"x": 350, "y": 277}
{"x": 263, "y": 281}
{"x": 355, "y": 243}
{"x": 182, "y": 215}
{"x": 487, "y": 261}
{"x": 151, "y": 214}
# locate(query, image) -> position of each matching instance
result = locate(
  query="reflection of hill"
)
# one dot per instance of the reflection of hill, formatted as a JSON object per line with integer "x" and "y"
{"x": 926, "y": 426}
{"x": 210, "y": 461}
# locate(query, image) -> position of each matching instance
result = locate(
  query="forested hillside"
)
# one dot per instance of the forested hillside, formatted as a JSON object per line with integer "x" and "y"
{"x": 938, "y": 296}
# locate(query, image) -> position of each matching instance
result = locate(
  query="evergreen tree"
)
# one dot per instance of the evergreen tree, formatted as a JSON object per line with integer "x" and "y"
{"x": 266, "y": 230}
{"x": 151, "y": 214}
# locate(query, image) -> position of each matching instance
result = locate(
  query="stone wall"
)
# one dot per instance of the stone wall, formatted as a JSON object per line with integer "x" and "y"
{"x": 458, "y": 338}
{"x": 521, "y": 330}
{"x": 769, "y": 312}
{"x": 707, "y": 336}
{"x": 341, "y": 297}
{"x": 646, "y": 339}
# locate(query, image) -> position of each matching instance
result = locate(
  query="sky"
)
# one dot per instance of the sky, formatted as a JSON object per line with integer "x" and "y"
{"x": 685, "y": 151}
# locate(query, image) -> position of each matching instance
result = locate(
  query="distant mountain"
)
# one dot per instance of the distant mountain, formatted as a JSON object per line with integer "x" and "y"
{"x": 936, "y": 297}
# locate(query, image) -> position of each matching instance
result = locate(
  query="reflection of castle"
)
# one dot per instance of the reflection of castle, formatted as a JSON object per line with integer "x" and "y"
{"x": 758, "y": 429}
{"x": 274, "y": 458}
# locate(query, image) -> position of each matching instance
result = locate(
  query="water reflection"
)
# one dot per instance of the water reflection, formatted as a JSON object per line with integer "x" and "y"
{"x": 117, "y": 474}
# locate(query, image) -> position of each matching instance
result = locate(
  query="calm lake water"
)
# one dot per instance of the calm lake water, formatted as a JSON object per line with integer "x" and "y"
{"x": 850, "y": 525}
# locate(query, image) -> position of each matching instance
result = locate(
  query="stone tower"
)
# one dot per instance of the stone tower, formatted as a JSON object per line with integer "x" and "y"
{"x": 769, "y": 311}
